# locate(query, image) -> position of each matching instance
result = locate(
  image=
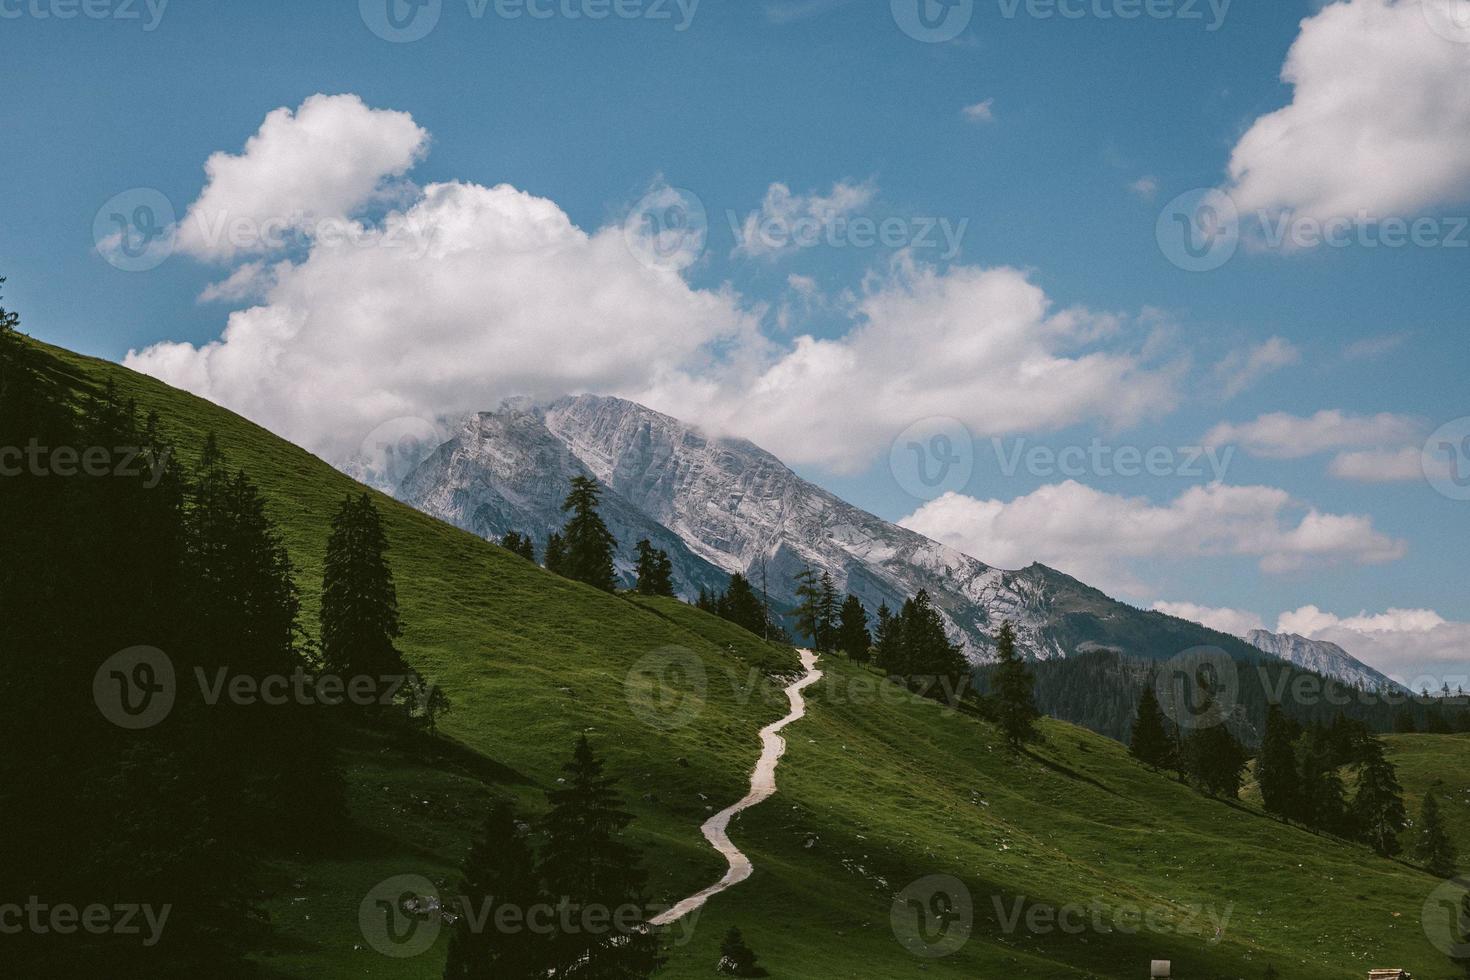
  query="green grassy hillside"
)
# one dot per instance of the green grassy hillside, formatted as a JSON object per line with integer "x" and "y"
{"x": 1440, "y": 763}
{"x": 878, "y": 790}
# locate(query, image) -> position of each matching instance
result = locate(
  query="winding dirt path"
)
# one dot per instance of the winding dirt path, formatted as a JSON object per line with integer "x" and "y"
{"x": 762, "y": 788}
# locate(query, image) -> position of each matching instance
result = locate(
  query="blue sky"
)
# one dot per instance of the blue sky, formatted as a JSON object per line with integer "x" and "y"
{"x": 1080, "y": 132}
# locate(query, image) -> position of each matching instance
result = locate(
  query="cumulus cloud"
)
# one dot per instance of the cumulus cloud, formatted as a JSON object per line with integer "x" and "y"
{"x": 1280, "y": 435}
{"x": 1098, "y": 536}
{"x": 322, "y": 162}
{"x": 983, "y": 345}
{"x": 1416, "y": 647}
{"x": 785, "y": 220}
{"x": 1243, "y": 368}
{"x": 1235, "y": 622}
{"x": 1379, "y": 121}
{"x": 460, "y": 295}
{"x": 980, "y": 112}
{"x": 501, "y": 295}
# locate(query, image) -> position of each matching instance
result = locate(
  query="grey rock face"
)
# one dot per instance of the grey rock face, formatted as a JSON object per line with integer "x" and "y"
{"x": 1322, "y": 657}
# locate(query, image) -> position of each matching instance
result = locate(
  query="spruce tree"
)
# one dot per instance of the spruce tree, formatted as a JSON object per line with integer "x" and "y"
{"x": 1432, "y": 846}
{"x": 852, "y": 630}
{"x": 589, "y": 544}
{"x": 935, "y": 665}
{"x": 827, "y": 615}
{"x": 1216, "y": 760}
{"x": 741, "y": 606}
{"x": 556, "y": 553}
{"x": 1276, "y": 769}
{"x": 499, "y": 873}
{"x": 1014, "y": 690}
{"x": 1378, "y": 806}
{"x": 519, "y": 544}
{"x": 1150, "y": 742}
{"x": 888, "y": 643}
{"x": 359, "y": 614}
{"x": 654, "y": 571}
{"x": 586, "y": 864}
{"x": 808, "y": 611}
{"x": 736, "y": 958}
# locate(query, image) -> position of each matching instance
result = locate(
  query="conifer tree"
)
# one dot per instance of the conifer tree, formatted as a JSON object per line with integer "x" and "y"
{"x": 1321, "y": 798}
{"x": 1150, "y": 742}
{"x": 707, "y": 601}
{"x": 1276, "y": 769}
{"x": 359, "y": 614}
{"x": 499, "y": 873}
{"x": 519, "y": 544}
{"x": 736, "y": 958}
{"x": 1014, "y": 690}
{"x": 589, "y": 544}
{"x": 654, "y": 570}
{"x": 827, "y": 615}
{"x": 853, "y": 638}
{"x": 1432, "y": 846}
{"x": 888, "y": 643}
{"x": 741, "y": 606}
{"x": 1378, "y": 806}
{"x": 1216, "y": 760}
{"x": 586, "y": 864}
{"x": 808, "y": 611}
{"x": 935, "y": 665}
{"x": 556, "y": 553}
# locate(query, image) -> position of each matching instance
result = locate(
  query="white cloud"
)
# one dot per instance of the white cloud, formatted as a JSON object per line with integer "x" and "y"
{"x": 1414, "y": 646}
{"x": 980, "y": 345}
{"x": 1145, "y": 187}
{"x": 1235, "y": 622}
{"x": 980, "y": 112}
{"x": 1379, "y": 121}
{"x": 325, "y": 161}
{"x": 1382, "y": 465}
{"x": 1243, "y": 368}
{"x": 500, "y": 295}
{"x": 786, "y": 220}
{"x": 1283, "y": 436}
{"x": 1098, "y": 536}
{"x": 466, "y": 294}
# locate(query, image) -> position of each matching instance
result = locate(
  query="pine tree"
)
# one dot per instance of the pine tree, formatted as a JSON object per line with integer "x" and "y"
{"x": 1150, "y": 743}
{"x": 1276, "y": 769}
{"x": 1378, "y": 806}
{"x": 935, "y": 665}
{"x": 359, "y": 614}
{"x": 519, "y": 544}
{"x": 808, "y": 611}
{"x": 888, "y": 648}
{"x": 707, "y": 601}
{"x": 853, "y": 638}
{"x": 1321, "y": 798}
{"x": 736, "y": 958}
{"x": 499, "y": 873}
{"x": 586, "y": 865}
{"x": 741, "y": 606}
{"x": 556, "y": 554}
{"x": 1216, "y": 761}
{"x": 654, "y": 571}
{"x": 1014, "y": 690}
{"x": 589, "y": 544}
{"x": 827, "y": 615}
{"x": 1432, "y": 846}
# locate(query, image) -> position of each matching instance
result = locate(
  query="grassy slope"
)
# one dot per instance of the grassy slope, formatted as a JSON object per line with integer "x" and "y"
{"x": 1437, "y": 762}
{"x": 876, "y": 791}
